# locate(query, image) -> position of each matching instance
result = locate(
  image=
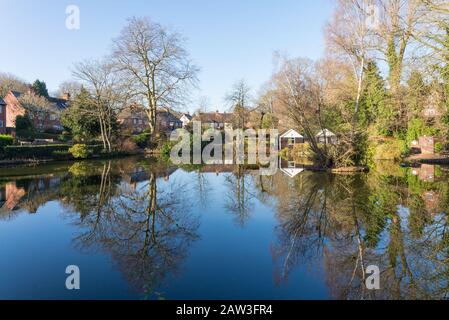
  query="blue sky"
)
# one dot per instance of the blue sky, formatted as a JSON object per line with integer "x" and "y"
{"x": 228, "y": 39}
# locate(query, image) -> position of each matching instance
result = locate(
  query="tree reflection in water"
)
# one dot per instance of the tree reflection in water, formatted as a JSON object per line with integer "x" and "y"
{"x": 336, "y": 225}
{"x": 147, "y": 227}
{"x": 240, "y": 194}
{"x": 354, "y": 221}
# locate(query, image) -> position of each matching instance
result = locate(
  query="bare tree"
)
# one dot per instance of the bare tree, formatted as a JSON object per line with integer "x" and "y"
{"x": 239, "y": 99}
{"x": 204, "y": 104}
{"x": 301, "y": 96}
{"x": 155, "y": 61}
{"x": 350, "y": 37}
{"x": 434, "y": 30}
{"x": 37, "y": 107}
{"x": 72, "y": 88}
{"x": 10, "y": 82}
{"x": 107, "y": 95}
{"x": 398, "y": 22}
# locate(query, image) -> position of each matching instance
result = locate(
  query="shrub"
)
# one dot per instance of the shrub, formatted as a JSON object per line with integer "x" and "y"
{"x": 128, "y": 145}
{"x": 438, "y": 147}
{"x": 6, "y": 140}
{"x": 142, "y": 140}
{"x": 31, "y": 152}
{"x": 418, "y": 128}
{"x": 301, "y": 151}
{"x": 166, "y": 148}
{"x": 80, "y": 151}
{"x": 389, "y": 150}
{"x": 284, "y": 153}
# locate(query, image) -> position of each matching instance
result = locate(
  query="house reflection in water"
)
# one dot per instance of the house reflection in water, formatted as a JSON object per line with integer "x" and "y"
{"x": 290, "y": 168}
{"x": 141, "y": 174}
{"x": 431, "y": 198}
{"x": 10, "y": 196}
{"x": 27, "y": 194}
{"x": 425, "y": 172}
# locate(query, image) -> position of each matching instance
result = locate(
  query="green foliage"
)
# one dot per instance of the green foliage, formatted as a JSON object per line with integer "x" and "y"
{"x": 269, "y": 121}
{"x": 79, "y": 119}
{"x": 5, "y": 140}
{"x": 166, "y": 148}
{"x": 40, "y": 88}
{"x": 24, "y": 127}
{"x": 438, "y": 147}
{"x": 284, "y": 153}
{"x": 373, "y": 99}
{"x": 80, "y": 151}
{"x": 417, "y": 93}
{"x": 418, "y": 128}
{"x": 389, "y": 150}
{"x": 33, "y": 152}
{"x": 142, "y": 140}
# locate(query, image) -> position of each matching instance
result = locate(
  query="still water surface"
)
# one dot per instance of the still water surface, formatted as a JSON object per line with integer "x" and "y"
{"x": 141, "y": 229}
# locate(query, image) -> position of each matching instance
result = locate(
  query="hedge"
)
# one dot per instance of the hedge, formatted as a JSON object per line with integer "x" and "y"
{"x": 31, "y": 152}
{"x": 6, "y": 140}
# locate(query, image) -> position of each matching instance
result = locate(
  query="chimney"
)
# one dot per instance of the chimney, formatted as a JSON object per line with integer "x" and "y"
{"x": 30, "y": 90}
{"x": 65, "y": 96}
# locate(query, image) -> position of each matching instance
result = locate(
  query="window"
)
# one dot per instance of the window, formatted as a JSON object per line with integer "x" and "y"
{"x": 140, "y": 121}
{"x": 52, "y": 117}
{"x": 1, "y": 124}
{"x": 135, "y": 121}
{"x": 1, "y": 109}
{"x": 291, "y": 141}
{"x": 172, "y": 124}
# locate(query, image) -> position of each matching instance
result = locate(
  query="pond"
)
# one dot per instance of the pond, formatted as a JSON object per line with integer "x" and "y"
{"x": 142, "y": 229}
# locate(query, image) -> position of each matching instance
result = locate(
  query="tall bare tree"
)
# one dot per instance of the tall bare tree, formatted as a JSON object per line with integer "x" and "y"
{"x": 108, "y": 95}
{"x": 350, "y": 37}
{"x": 239, "y": 99}
{"x": 155, "y": 60}
{"x": 398, "y": 22}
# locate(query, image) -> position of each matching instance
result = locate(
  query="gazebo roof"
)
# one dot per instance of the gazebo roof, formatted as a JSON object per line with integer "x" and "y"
{"x": 291, "y": 134}
{"x": 326, "y": 133}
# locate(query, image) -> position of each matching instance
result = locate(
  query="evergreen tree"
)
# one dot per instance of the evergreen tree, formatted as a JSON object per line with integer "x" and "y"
{"x": 79, "y": 119}
{"x": 374, "y": 96}
{"x": 40, "y": 88}
{"x": 418, "y": 92}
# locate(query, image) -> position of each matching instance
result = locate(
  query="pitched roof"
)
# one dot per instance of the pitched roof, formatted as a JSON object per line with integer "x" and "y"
{"x": 326, "y": 133}
{"x": 59, "y": 103}
{"x": 216, "y": 117}
{"x": 291, "y": 134}
{"x": 16, "y": 94}
{"x": 168, "y": 115}
{"x": 188, "y": 116}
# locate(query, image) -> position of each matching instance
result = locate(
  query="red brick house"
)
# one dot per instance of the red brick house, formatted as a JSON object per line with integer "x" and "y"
{"x": 2, "y": 116}
{"x": 49, "y": 120}
{"x": 215, "y": 120}
{"x": 135, "y": 120}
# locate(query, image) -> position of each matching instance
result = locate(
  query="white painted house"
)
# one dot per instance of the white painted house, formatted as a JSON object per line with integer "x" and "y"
{"x": 185, "y": 119}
